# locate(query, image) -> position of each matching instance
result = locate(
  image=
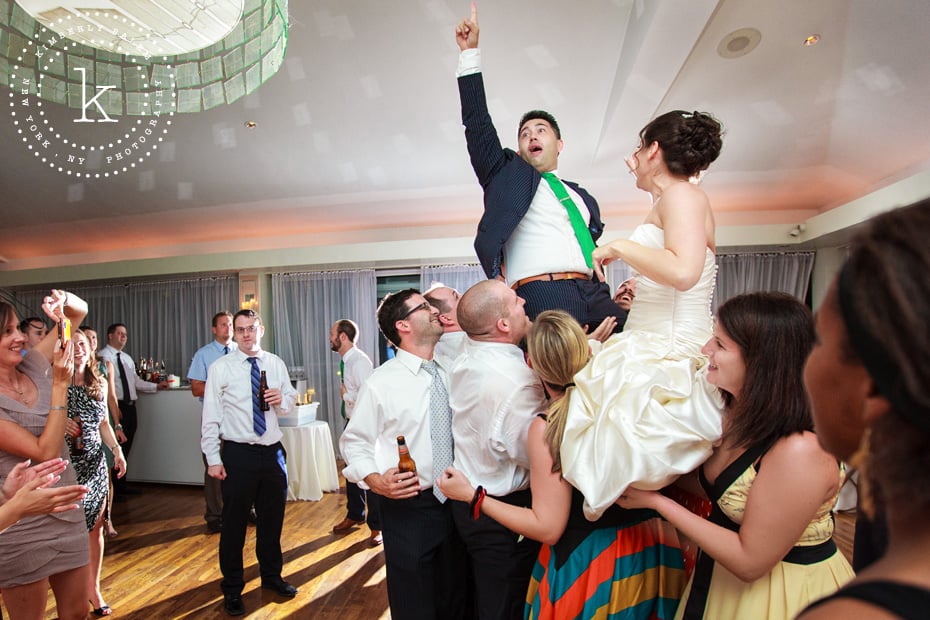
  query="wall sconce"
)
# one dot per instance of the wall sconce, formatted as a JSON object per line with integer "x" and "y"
{"x": 797, "y": 230}
{"x": 248, "y": 293}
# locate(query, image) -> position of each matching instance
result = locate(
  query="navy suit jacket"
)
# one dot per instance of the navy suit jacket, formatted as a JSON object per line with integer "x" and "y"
{"x": 509, "y": 183}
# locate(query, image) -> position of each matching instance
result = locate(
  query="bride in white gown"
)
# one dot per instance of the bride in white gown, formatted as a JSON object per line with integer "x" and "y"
{"x": 642, "y": 412}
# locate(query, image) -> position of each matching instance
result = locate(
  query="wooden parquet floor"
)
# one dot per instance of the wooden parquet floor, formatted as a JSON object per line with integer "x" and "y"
{"x": 164, "y": 563}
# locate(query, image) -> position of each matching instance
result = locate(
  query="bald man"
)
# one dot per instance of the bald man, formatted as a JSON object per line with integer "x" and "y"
{"x": 494, "y": 397}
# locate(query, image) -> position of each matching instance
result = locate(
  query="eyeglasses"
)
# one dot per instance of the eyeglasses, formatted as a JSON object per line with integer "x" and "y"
{"x": 424, "y": 306}
{"x": 251, "y": 329}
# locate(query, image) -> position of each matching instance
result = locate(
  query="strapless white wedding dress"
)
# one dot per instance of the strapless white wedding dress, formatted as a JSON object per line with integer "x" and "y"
{"x": 642, "y": 412}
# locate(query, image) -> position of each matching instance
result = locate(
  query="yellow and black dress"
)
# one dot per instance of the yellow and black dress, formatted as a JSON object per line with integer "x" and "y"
{"x": 814, "y": 568}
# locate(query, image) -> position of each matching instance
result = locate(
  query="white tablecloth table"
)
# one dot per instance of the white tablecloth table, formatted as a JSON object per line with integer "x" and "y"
{"x": 311, "y": 462}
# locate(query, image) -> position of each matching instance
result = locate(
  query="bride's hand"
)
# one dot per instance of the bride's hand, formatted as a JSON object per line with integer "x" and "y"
{"x": 604, "y": 255}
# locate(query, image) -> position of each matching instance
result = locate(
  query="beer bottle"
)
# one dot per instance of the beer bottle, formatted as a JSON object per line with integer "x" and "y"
{"x": 262, "y": 386}
{"x": 77, "y": 443}
{"x": 406, "y": 462}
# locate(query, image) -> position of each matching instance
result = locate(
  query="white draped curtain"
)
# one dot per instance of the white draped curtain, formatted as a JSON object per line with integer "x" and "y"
{"x": 166, "y": 320}
{"x": 305, "y": 306}
{"x": 459, "y": 277}
{"x": 788, "y": 272}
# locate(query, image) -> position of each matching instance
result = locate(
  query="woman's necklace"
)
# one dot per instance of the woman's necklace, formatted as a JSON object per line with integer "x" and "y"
{"x": 18, "y": 389}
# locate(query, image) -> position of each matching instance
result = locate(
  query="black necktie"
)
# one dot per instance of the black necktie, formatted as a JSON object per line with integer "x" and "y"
{"x": 225, "y": 349}
{"x": 122, "y": 378}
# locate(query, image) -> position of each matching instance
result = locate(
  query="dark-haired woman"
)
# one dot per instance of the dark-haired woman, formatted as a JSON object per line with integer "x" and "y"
{"x": 643, "y": 413}
{"x": 767, "y": 549}
{"x": 46, "y": 550}
{"x": 87, "y": 403}
{"x": 869, "y": 382}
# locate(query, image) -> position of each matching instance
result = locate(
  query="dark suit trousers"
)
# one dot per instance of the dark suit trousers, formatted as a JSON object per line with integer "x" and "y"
{"x": 588, "y": 301}
{"x": 356, "y": 500}
{"x": 254, "y": 475}
{"x": 424, "y": 559}
{"x": 130, "y": 421}
{"x": 212, "y": 495}
{"x": 501, "y": 562}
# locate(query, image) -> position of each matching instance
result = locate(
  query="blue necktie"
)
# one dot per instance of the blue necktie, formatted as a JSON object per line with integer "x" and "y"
{"x": 258, "y": 416}
{"x": 440, "y": 425}
{"x": 225, "y": 350}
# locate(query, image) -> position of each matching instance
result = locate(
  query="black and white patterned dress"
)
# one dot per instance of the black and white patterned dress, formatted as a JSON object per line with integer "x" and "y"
{"x": 91, "y": 466}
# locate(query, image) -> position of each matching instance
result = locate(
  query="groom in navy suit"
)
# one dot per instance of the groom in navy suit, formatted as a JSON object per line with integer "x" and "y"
{"x": 536, "y": 236}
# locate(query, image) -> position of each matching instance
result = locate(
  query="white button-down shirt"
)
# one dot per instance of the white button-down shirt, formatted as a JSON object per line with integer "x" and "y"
{"x": 393, "y": 401}
{"x": 357, "y": 367}
{"x": 136, "y": 383}
{"x": 227, "y": 402}
{"x": 494, "y": 397}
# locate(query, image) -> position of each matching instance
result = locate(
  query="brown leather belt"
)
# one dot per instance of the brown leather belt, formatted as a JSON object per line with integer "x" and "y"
{"x": 551, "y": 277}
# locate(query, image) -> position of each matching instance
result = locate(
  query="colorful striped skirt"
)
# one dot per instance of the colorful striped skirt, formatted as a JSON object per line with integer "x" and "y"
{"x": 630, "y": 573}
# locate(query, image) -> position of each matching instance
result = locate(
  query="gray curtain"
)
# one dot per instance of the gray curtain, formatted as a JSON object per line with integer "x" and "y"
{"x": 788, "y": 272}
{"x": 459, "y": 277}
{"x": 616, "y": 272}
{"x": 166, "y": 320}
{"x": 305, "y": 306}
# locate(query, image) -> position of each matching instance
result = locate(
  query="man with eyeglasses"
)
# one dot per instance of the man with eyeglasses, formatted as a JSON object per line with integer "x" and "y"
{"x": 251, "y": 460}
{"x": 408, "y": 395}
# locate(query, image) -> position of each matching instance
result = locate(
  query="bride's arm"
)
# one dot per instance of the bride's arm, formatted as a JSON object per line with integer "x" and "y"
{"x": 683, "y": 212}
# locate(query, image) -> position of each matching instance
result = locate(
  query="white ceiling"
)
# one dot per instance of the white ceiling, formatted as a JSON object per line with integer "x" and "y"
{"x": 359, "y": 133}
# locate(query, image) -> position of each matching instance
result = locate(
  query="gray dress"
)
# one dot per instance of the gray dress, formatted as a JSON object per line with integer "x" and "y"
{"x": 44, "y": 545}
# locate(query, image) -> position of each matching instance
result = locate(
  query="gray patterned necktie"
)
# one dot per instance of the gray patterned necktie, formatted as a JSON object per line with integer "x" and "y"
{"x": 440, "y": 425}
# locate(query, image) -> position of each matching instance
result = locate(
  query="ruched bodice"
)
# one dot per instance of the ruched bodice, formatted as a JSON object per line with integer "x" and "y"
{"x": 681, "y": 317}
{"x": 642, "y": 412}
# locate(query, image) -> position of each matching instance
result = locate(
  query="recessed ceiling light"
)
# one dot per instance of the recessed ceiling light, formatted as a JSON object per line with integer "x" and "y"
{"x": 812, "y": 40}
{"x": 739, "y": 43}
{"x": 251, "y": 124}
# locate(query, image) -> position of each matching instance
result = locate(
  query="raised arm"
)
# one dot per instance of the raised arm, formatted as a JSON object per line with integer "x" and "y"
{"x": 552, "y": 496}
{"x": 683, "y": 212}
{"x": 795, "y": 479}
{"x": 466, "y": 32}
{"x": 57, "y": 305}
{"x": 17, "y": 440}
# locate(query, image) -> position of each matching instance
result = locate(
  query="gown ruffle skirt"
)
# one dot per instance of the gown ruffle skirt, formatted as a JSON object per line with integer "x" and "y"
{"x": 642, "y": 412}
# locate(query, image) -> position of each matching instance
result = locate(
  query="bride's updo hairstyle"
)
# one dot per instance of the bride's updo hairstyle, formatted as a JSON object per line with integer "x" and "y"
{"x": 690, "y": 141}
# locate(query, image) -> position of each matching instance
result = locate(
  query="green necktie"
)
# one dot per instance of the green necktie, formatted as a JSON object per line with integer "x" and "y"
{"x": 342, "y": 368}
{"x": 574, "y": 215}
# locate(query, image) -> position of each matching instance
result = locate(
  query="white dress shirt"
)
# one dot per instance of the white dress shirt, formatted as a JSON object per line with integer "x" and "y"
{"x": 136, "y": 383}
{"x": 227, "y": 402}
{"x": 544, "y": 240}
{"x": 494, "y": 397}
{"x": 393, "y": 401}
{"x": 450, "y": 346}
{"x": 357, "y": 367}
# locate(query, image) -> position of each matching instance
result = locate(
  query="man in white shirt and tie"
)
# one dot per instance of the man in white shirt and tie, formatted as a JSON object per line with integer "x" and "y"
{"x": 408, "y": 395}
{"x": 128, "y": 385}
{"x": 250, "y": 460}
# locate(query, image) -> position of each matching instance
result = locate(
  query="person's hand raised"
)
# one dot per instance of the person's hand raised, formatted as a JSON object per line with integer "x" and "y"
{"x": 466, "y": 32}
